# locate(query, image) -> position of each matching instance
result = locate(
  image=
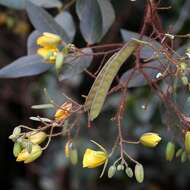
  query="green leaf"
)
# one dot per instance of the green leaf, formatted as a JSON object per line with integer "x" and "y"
{"x": 21, "y": 4}
{"x": 75, "y": 65}
{"x": 44, "y": 22}
{"x": 96, "y": 17}
{"x": 31, "y": 42}
{"x": 101, "y": 85}
{"x": 65, "y": 20}
{"x": 24, "y": 66}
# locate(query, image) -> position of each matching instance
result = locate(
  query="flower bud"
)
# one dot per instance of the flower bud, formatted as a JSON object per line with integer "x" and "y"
{"x": 35, "y": 153}
{"x": 68, "y": 147}
{"x": 187, "y": 142}
{"x": 73, "y": 155}
{"x": 23, "y": 155}
{"x": 183, "y": 157}
{"x": 129, "y": 172}
{"x": 37, "y": 137}
{"x": 27, "y": 157}
{"x": 139, "y": 173}
{"x": 17, "y": 149}
{"x": 170, "y": 151}
{"x": 120, "y": 167}
{"x": 111, "y": 171}
{"x": 63, "y": 112}
{"x": 179, "y": 152}
{"x": 150, "y": 139}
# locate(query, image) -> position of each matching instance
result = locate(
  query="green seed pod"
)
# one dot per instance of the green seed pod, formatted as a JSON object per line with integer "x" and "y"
{"x": 183, "y": 157}
{"x": 129, "y": 172}
{"x": 179, "y": 152}
{"x": 170, "y": 151}
{"x": 120, "y": 167}
{"x": 139, "y": 173}
{"x": 111, "y": 171}
{"x": 17, "y": 149}
{"x": 187, "y": 142}
{"x": 73, "y": 155}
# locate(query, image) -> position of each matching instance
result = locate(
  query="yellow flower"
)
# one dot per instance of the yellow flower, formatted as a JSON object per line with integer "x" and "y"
{"x": 48, "y": 53}
{"x": 37, "y": 138}
{"x": 49, "y": 40}
{"x": 23, "y": 155}
{"x": 63, "y": 112}
{"x": 93, "y": 159}
{"x": 27, "y": 157}
{"x": 150, "y": 139}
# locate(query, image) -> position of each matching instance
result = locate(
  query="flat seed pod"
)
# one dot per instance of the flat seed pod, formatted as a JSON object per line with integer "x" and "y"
{"x": 179, "y": 152}
{"x": 101, "y": 85}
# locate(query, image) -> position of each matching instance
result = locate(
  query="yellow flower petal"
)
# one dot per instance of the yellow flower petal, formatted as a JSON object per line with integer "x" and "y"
{"x": 49, "y": 40}
{"x": 93, "y": 159}
{"x": 48, "y": 53}
{"x": 63, "y": 112}
{"x": 150, "y": 139}
{"x": 23, "y": 155}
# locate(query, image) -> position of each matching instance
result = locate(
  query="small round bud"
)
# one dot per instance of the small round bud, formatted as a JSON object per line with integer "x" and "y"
{"x": 129, "y": 172}
{"x": 120, "y": 167}
{"x": 139, "y": 173}
{"x": 111, "y": 171}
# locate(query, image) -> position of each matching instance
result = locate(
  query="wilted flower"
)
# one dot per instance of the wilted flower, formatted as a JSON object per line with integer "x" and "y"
{"x": 93, "y": 159}
{"x": 63, "y": 112}
{"x": 27, "y": 157}
{"x": 37, "y": 137}
{"x": 49, "y": 40}
{"x": 150, "y": 139}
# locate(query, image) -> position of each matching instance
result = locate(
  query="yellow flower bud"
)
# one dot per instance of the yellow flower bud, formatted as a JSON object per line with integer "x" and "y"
{"x": 27, "y": 157}
{"x": 67, "y": 149}
{"x": 23, "y": 155}
{"x": 150, "y": 139}
{"x": 36, "y": 153}
{"x": 49, "y": 40}
{"x": 48, "y": 53}
{"x": 63, "y": 112}
{"x": 187, "y": 142}
{"x": 37, "y": 138}
{"x": 93, "y": 159}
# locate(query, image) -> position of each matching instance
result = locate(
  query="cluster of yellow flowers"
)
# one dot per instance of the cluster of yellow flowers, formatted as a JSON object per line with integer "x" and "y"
{"x": 49, "y": 49}
{"x": 28, "y": 149}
